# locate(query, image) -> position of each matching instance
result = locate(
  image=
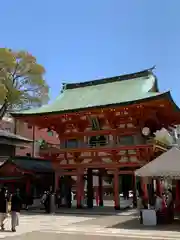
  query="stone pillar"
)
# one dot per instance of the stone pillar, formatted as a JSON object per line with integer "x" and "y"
{"x": 89, "y": 188}
{"x": 116, "y": 190}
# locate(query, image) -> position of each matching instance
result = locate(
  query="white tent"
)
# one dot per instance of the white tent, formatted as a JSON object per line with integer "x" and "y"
{"x": 166, "y": 165}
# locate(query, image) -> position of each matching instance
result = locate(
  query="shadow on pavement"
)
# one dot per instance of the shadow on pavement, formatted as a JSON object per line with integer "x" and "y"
{"x": 135, "y": 224}
{"x": 96, "y": 211}
{"x": 60, "y": 214}
{"x": 5, "y": 231}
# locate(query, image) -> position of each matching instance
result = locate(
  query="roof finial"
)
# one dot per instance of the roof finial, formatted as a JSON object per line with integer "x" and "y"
{"x": 63, "y": 87}
{"x": 152, "y": 68}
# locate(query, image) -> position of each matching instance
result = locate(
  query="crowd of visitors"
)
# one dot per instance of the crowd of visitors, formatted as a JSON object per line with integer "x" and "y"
{"x": 163, "y": 204}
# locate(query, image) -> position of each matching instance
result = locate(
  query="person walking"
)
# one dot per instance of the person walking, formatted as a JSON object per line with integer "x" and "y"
{"x": 16, "y": 204}
{"x": 3, "y": 207}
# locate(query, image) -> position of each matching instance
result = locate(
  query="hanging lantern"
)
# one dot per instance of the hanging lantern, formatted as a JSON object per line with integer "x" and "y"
{"x": 146, "y": 131}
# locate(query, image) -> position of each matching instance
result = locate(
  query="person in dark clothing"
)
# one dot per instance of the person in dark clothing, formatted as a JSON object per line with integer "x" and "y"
{"x": 58, "y": 198}
{"x": 16, "y": 204}
{"x": 3, "y": 207}
{"x": 47, "y": 202}
{"x": 50, "y": 202}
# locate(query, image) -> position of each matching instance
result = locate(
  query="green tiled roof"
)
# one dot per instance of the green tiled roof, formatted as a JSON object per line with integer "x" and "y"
{"x": 32, "y": 164}
{"x": 124, "y": 89}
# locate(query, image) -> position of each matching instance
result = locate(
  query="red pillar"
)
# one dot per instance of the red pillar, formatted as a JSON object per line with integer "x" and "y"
{"x": 57, "y": 177}
{"x": 12, "y": 188}
{"x": 116, "y": 190}
{"x": 144, "y": 188}
{"x": 80, "y": 187}
{"x": 134, "y": 190}
{"x": 100, "y": 189}
{"x": 158, "y": 187}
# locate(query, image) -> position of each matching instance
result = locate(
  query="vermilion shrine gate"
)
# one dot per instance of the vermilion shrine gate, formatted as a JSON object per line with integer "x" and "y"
{"x": 100, "y": 126}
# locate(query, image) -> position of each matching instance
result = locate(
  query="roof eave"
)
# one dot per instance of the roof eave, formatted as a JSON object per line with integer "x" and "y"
{"x": 166, "y": 95}
{"x": 9, "y": 161}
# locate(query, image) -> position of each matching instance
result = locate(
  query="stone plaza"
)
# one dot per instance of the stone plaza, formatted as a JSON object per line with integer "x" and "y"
{"x": 122, "y": 225}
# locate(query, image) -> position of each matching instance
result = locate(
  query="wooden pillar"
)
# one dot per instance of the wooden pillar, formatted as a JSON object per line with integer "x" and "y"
{"x": 57, "y": 177}
{"x": 89, "y": 188}
{"x": 116, "y": 190}
{"x": 144, "y": 188}
{"x": 83, "y": 186}
{"x": 96, "y": 192}
{"x": 158, "y": 187}
{"x": 100, "y": 189}
{"x": 67, "y": 180}
{"x": 12, "y": 188}
{"x": 151, "y": 191}
{"x": 80, "y": 187}
{"x": 134, "y": 190}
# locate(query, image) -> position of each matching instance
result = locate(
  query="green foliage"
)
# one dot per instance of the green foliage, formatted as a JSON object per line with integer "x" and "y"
{"x": 43, "y": 144}
{"x": 22, "y": 83}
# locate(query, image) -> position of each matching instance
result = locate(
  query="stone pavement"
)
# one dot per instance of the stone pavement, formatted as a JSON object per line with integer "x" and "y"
{"x": 54, "y": 236}
{"x": 108, "y": 208}
{"x": 107, "y": 203}
{"x": 79, "y": 227}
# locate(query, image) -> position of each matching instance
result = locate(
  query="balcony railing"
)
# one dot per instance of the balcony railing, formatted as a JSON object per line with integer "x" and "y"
{"x": 93, "y": 145}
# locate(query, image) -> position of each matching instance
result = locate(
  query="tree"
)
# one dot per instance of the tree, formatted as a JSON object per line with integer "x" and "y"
{"x": 22, "y": 83}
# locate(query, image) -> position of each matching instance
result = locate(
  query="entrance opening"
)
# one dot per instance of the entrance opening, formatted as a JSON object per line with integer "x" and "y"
{"x": 96, "y": 187}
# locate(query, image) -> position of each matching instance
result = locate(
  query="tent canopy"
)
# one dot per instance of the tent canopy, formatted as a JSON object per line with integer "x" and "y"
{"x": 166, "y": 165}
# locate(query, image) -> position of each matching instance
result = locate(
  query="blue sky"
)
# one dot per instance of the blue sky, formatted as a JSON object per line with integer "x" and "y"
{"x": 80, "y": 40}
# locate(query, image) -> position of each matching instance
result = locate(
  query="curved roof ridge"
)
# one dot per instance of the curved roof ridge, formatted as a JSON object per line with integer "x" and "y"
{"x": 116, "y": 93}
{"x": 129, "y": 76}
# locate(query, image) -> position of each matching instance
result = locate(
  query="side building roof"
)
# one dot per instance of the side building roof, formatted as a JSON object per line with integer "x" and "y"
{"x": 29, "y": 164}
{"x": 32, "y": 164}
{"x": 8, "y": 138}
{"x": 9, "y": 135}
{"x": 120, "y": 90}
